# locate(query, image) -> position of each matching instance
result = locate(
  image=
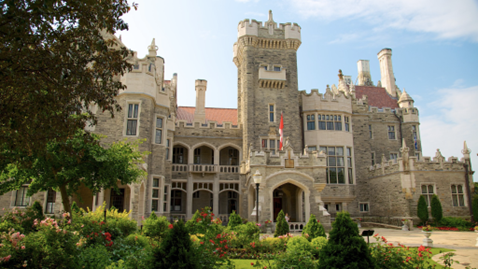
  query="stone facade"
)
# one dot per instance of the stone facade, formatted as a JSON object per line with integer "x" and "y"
{"x": 353, "y": 147}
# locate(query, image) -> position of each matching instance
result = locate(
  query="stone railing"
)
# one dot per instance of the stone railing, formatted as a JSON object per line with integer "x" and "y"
{"x": 179, "y": 167}
{"x": 296, "y": 226}
{"x": 178, "y": 217}
{"x": 229, "y": 169}
{"x": 202, "y": 168}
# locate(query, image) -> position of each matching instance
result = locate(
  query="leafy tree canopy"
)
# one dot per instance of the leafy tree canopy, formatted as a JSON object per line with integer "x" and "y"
{"x": 57, "y": 58}
{"x": 73, "y": 162}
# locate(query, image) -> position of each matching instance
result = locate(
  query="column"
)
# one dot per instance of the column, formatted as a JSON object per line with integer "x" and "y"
{"x": 215, "y": 191}
{"x": 189, "y": 199}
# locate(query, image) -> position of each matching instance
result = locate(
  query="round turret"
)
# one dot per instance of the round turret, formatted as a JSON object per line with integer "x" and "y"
{"x": 405, "y": 100}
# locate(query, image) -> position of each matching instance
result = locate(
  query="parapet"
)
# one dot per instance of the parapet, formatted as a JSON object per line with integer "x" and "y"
{"x": 268, "y": 29}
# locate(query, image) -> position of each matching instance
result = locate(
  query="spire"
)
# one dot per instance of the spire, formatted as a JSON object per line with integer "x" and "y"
{"x": 405, "y": 100}
{"x": 153, "y": 48}
{"x": 466, "y": 151}
{"x": 270, "y": 17}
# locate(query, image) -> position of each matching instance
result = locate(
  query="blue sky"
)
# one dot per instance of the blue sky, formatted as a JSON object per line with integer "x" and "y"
{"x": 434, "y": 45}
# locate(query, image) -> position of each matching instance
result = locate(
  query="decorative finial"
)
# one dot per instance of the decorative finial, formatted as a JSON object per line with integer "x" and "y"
{"x": 153, "y": 46}
{"x": 466, "y": 151}
{"x": 270, "y": 16}
{"x": 341, "y": 76}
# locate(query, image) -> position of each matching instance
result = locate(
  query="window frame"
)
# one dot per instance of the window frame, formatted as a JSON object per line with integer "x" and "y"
{"x": 390, "y": 132}
{"x": 161, "y": 129}
{"x": 268, "y": 143}
{"x": 362, "y": 206}
{"x": 310, "y": 122}
{"x": 25, "y": 199}
{"x": 428, "y": 195}
{"x": 458, "y": 194}
{"x": 127, "y": 118}
{"x": 395, "y": 154}
{"x": 158, "y": 198}
{"x": 271, "y": 113}
{"x": 370, "y": 131}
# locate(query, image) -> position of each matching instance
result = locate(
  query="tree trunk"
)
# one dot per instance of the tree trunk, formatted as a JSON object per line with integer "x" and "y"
{"x": 64, "y": 199}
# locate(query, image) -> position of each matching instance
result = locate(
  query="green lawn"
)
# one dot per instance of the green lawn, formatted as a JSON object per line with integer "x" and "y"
{"x": 241, "y": 264}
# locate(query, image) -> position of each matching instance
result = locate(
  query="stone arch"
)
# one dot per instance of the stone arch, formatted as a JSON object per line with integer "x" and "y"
{"x": 215, "y": 153}
{"x": 298, "y": 213}
{"x": 179, "y": 143}
{"x": 195, "y": 146}
{"x": 289, "y": 172}
{"x": 223, "y": 146}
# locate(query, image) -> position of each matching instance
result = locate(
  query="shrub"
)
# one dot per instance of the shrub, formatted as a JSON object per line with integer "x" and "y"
{"x": 437, "y": 211}
{"x": 299, "y": 244}
{"x": 192, "y": 224}
{"x": 298, "y": 255}
{"x": 234, "y": 220}
{"x": 313, "y": 229}
{"x": 455, "y": 222}
{"x": 475, "y": 206}
{"x": 422, "y": 209}
{"x": 37, "y": 210}
{"x": 345, "y": 248}
{"x": 75, "y": 208}
{"x": 96, "y": 256}
{"x": 137, "y": 240}
{"x": 282, "y": 227}
{"x": 243, "y": 234}
{"x": 317, "y": 244}
{"x": 155, "y": 227}
{"x": 175, "y": 250}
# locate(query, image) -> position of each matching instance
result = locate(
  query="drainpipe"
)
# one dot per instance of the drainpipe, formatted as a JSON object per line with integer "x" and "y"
{"x": 399, "y": 120}
{"x": 302, "y": 127}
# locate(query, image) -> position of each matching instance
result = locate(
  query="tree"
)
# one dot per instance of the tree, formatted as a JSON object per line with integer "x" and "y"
{"x": 73, "y": 162}
{"x": 422, "y": 209}
{"x": 282, "y": 227}
{"x": 313, "y": 228}
{"x": 346, "y": 248}
{"x": 437, "y": 210}
{"x": 57, "y": 59}
{"x": 234, "y": 220}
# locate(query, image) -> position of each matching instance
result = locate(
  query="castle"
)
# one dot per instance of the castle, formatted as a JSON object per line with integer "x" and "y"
{"x": 354, "y": 147}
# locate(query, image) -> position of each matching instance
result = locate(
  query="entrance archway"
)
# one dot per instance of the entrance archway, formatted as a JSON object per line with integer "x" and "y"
{"x": 288, "y": 197}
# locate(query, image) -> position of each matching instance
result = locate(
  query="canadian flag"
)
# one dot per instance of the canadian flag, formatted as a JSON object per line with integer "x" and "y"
{"x": 281, "y": 130}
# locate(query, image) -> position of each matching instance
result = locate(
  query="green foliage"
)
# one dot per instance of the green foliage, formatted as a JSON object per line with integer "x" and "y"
{"x": 234, "y": 220}
{"x": 66, "y": 78}
{"x": 98, "y": 167}
{"x": 20, "y": 220}
{"x": 137, "y": 240}
{"x": 345, "y": 248}
{"x": 455, "y": 222}
{"x": 38, "y": 210}
{"x": 243, "y": 235}
{"x": 96, "y": 256}
{"x": 299, "y": 254}
{"x": 475, "y": 205}
{"x": 422, "y": 209}
{"x": 282, "y": 227}
{"x": 176, "y": 249}
{"x": 317, "y": 244}
{"x": 155, "y": 227}
{"x": 437, "y": 211}
{"x": 299, "y": 244}
{"x": 192, "y": 224}
{"x": 313, "y": 229}
{"x": 75, "y": 208}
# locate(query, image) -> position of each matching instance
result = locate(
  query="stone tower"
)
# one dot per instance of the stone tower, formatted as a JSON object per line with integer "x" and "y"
{"x": 266, "y": 58}
{"x": 386, "y": 71}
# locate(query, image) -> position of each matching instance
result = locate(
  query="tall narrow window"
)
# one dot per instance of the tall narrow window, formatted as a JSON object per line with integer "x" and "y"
{"x": 21, "y": 198}
{"x": 330, "y": 122}
{"x": 391, "y": 132}
{"x": 132, "y": 121}
{"x": 338, "y": 122}
{"x": 370, "y": 134}
{"x": 322, "y": 124}
{"x": 165, "y": 199}
{"x": 311, "y": 122}
{"x": 393, "y": 156}
{"x": 350, "y": 166}
{"x": 347, "y": 124}
{"x": 335, "y": 165}
{"x": 272, "y": 146}
{"x": 427, "y": 191}
{"x": 159, "y": 131}
{"x": 167, "y": 148}
{"x": 176, "y": 196}
{"x": 179, "y": 155}
{"x": 50, "y": 201}
{"x": 373, "y": 158}
{"x": 271, "y": 113}
{"x": 155, "y": 195}
{"x": 197, "y": 156}
{"x": 457, "y": 195}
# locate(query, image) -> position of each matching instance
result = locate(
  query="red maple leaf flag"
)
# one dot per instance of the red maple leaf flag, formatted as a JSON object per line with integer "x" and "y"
{"x": 281, "y": 130}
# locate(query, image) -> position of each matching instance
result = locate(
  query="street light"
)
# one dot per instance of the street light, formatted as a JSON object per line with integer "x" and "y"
{"x": 257, "y": 179}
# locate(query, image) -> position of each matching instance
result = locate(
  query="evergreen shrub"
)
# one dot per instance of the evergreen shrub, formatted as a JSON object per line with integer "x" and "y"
{"x": 234, "y": 220}
{"x": 437, "y": 210}
{"x": 313, "y": 229}
{"x": 422, "y": 209}
{"x": 155, "y": 227}
{"x": 345, "y": 248}
{"x": 317, "y": 244}
{"x": 282, "y": 227}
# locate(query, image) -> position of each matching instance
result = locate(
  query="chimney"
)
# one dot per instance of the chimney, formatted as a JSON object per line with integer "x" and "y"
{"x": 386, "y": 71}
{"x": 364, "y": 77}
{"x": 200, "y": 112}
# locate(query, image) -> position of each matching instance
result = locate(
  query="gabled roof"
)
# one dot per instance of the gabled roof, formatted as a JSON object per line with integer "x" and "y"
{"x": 377, "y": 96}
{"x": 219, "y": 115}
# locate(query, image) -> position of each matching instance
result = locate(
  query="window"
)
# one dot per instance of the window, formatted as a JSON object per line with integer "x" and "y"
{"x": 311, "y": 122}
{"x": 393, "y": 156}
{"x": 330, "y": 122}
{"x": 197, "y": 156}
{"x": 132, "y": 121}
{"x": 322, "y": 124}
{"x": 373, "y": 158}
{"x": 326, "y": 206}
{"x": 271, "y": 113}
{"x": 338, "y": 123}
{"x": 159, "y": 131}
{"x": 370, "y": 131}
{"x": 391, "y": 132}
{"x": 150, "y": 67}
{"x": 165, "y": 199}
{"x": 168, "y": 143}
{"x": 428, "y": 191}
{"x": 350, "y": 166}
{"x": 276, "y": 68}
{"x": 233, "y": 157}
{"x": 457, "y": 195}
{"x": 335, "y": 165}
{"x": 176, "y": 196}
{"x": 312, "y": 148}
{"x": 271, "y": 144}
{"x": 415, "y": 136}
{"x": 338, "y": 207}
{"x": 179, "y": 155}
{"x": 363, "y": 207}
{"x": 136, "y": 67}
{"x": 196, "y": 195}
{"x": 417, "y": 154}
{"x": 155, "y": 195}
{"x": 21, "y": 198}
{"x": 347, "y": 124}
{"x": 50, "y": 201}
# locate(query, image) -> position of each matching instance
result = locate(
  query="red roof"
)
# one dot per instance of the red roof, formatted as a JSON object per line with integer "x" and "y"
{"x": 219, "y": 115}
{"x": 376, "y": 96}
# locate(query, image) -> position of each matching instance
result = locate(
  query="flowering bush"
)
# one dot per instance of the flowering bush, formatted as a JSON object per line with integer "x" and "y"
{"x": 427, "y": 228}
{"x": 155, "y": 227}
{"x": 243, "y": 235}
{"x": 20, "y": 220}
{"x": 387, "y": 255}
{"x": 268, "y": 222}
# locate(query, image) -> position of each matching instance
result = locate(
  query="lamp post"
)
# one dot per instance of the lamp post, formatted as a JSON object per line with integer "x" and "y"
{"x": 257, "y": 179}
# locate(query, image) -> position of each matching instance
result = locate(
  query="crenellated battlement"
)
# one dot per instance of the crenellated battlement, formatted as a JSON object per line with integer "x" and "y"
{"x": 306, "y": 159}
{"x": 268, "y": 29}
{"x": 330, "y": 100}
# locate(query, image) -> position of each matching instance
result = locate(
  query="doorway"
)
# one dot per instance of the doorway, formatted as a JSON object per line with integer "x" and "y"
{"x": 117, "y": 199}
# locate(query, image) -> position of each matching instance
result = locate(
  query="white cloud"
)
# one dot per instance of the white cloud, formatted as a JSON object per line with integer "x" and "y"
{"x": 453, "y": 119}
{"x": 446, "y": 19}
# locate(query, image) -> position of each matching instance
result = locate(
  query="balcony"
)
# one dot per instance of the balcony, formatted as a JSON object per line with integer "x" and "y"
{"x": 205, "y": 168}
